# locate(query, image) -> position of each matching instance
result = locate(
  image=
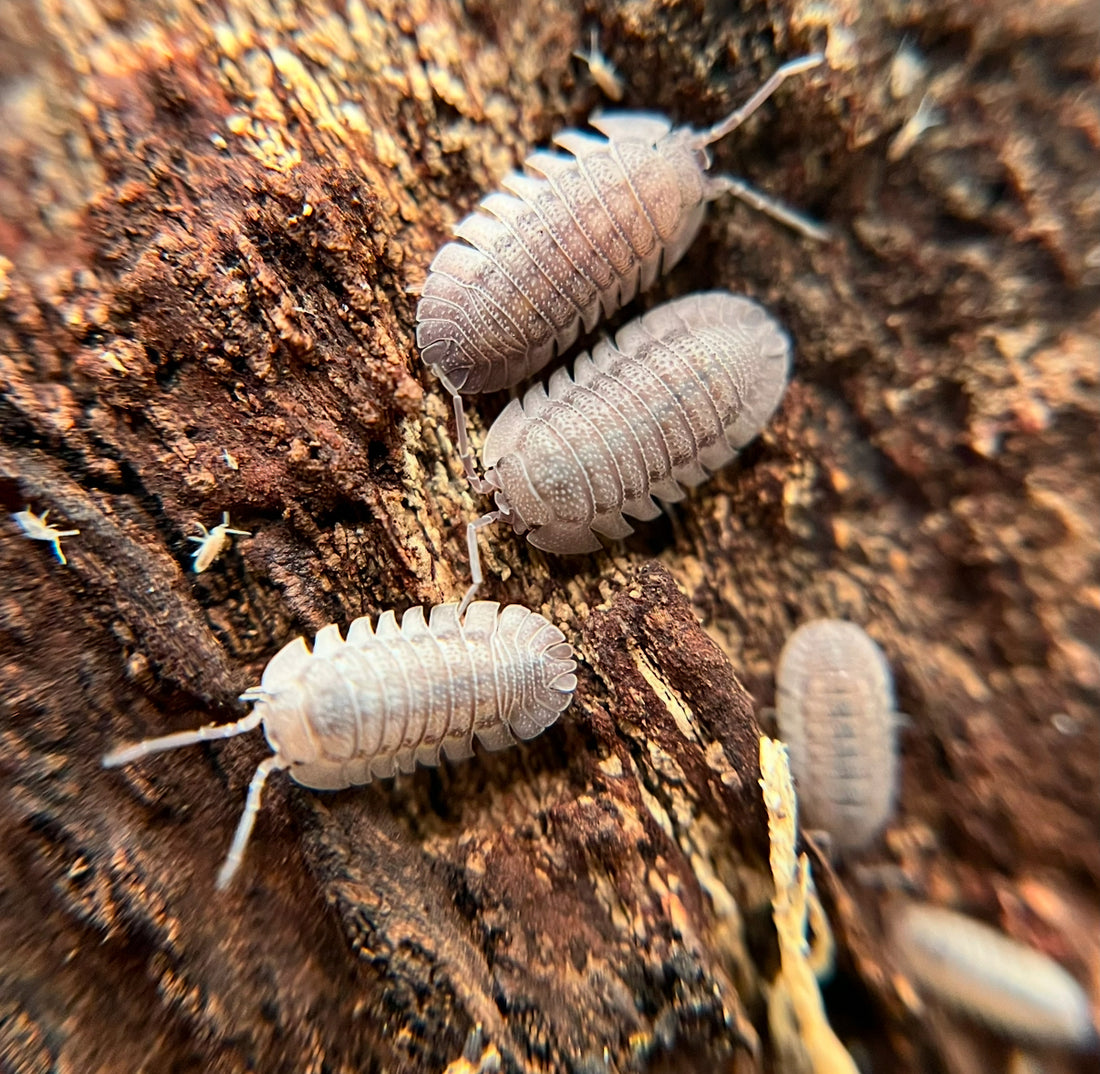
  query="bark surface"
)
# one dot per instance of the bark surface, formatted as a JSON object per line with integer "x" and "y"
{"x": 210, "y": 217}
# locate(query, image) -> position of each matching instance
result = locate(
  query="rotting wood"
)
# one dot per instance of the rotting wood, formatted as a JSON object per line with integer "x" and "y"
{"x": 207, "y": 227}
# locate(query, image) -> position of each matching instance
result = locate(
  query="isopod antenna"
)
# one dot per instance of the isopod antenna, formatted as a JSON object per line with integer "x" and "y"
{"x": 721, "y": 184}
{"x": 483, "y": 487}
{"x": 135, "y": 751}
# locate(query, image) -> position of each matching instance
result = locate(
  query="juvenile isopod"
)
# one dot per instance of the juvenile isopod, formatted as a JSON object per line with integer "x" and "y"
{"x": 572, "y": 237}
{"x": 382, "y": 699}
{"x": 601, "y": 69}
{"x": 677, "y": 394}
{"x": 1013, "y": 989}
{"x": 836, "y": 711}
{"x": 212, "y": 543}
{"x": 37, "y": 529}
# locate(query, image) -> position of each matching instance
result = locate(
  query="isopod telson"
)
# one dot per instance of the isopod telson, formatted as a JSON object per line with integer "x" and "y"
{"x": 36, "y": 528}
{"x": 382, "y": 699}
{"x": 212, "y": 543}
{"x": 677, "y": 394}
{"x": 836, "y": 711}
{"x": 981, "y": 972}
{"x": 575, "y": 236}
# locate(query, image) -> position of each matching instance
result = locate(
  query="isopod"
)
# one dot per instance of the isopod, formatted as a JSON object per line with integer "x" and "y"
{"x": 382, "y": 699}
{"x": 574, "y": 236}
{"x": 836, "y": 711}
{"x": 680, "y": 390}
{"x": 212, "y": 543}
{"x": 601, "y": 69}
{"x": 979, "y": 971}
{"x": 36, "y": 528}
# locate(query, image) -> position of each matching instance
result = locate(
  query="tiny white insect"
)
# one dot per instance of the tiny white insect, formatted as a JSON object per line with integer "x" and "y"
{"x": 35, "y": 527}
{"x": 213, "y": 543}
{"x": 924, "y": 118}
{"x": 385, "y": 698}
{"x": 602, "y": 69}
{"x": 1013, "y": 989}
{"x": 230, "y": 460}
{"x": 836, "y": 711}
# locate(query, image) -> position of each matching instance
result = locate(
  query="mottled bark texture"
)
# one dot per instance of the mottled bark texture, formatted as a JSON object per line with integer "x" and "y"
{"x": 210, "y": 214}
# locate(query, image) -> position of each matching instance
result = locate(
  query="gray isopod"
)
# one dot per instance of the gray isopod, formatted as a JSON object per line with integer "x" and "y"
{"x": 982, "y": 973}
{"x": 676, "y": 395}
{"x": 574, "y": 236}
{"x": 836, "y": 711}
{"x": 382, "y": 699}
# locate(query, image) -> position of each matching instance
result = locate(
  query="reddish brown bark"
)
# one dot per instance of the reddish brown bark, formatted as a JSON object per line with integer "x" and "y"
{"x": 209, "y": 219}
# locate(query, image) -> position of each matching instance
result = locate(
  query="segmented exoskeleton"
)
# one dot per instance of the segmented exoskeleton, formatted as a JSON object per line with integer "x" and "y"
{"x": 836, "y": 711}
{"x": 973, "y": 968}
{"x": 382, "y": 699}
{"x": 676, "y": 395}
{"x": 575, "y": 237}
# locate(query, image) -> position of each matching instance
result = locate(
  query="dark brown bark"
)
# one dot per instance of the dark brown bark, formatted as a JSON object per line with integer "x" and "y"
{"x": 209, "y": 217}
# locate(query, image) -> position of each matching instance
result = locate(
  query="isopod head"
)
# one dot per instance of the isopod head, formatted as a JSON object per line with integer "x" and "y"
{"x": 288, "y": 705}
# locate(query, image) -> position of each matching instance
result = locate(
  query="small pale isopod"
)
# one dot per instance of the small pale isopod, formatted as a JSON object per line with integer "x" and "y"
{"x": 573, "y": 237}
{"x": 602, "y": 69}
{"x": 35, "y": 527}
{"x": 677, "y": 394}
{"x": 836, "y": 711}
{"x": 212, "y": 543}
{"x": 1013, "y": 989}
{"x": 382, "y": 699}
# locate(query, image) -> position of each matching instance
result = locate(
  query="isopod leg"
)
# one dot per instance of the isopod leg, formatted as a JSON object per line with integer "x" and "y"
{"x": 475, "y": 555}
{"x": 248, "y": 819}
{"x": 477, "y": 482}
{"x": 797, "y": 221}
{"x": 137, "y": 750}
{"x": 736, "y": 118}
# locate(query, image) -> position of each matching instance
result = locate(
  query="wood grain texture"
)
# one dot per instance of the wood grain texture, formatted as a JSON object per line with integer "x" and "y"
{"x": 209, "y": 217}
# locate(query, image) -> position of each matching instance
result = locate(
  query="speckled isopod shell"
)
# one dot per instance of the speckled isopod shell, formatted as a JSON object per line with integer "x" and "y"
{"x": 676, "y": 395}
{"x": 984, "y": 974}
{"x": 571, "y": 238}
{"x": 382, "y": 699}
{"x": 836, "y": 711}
